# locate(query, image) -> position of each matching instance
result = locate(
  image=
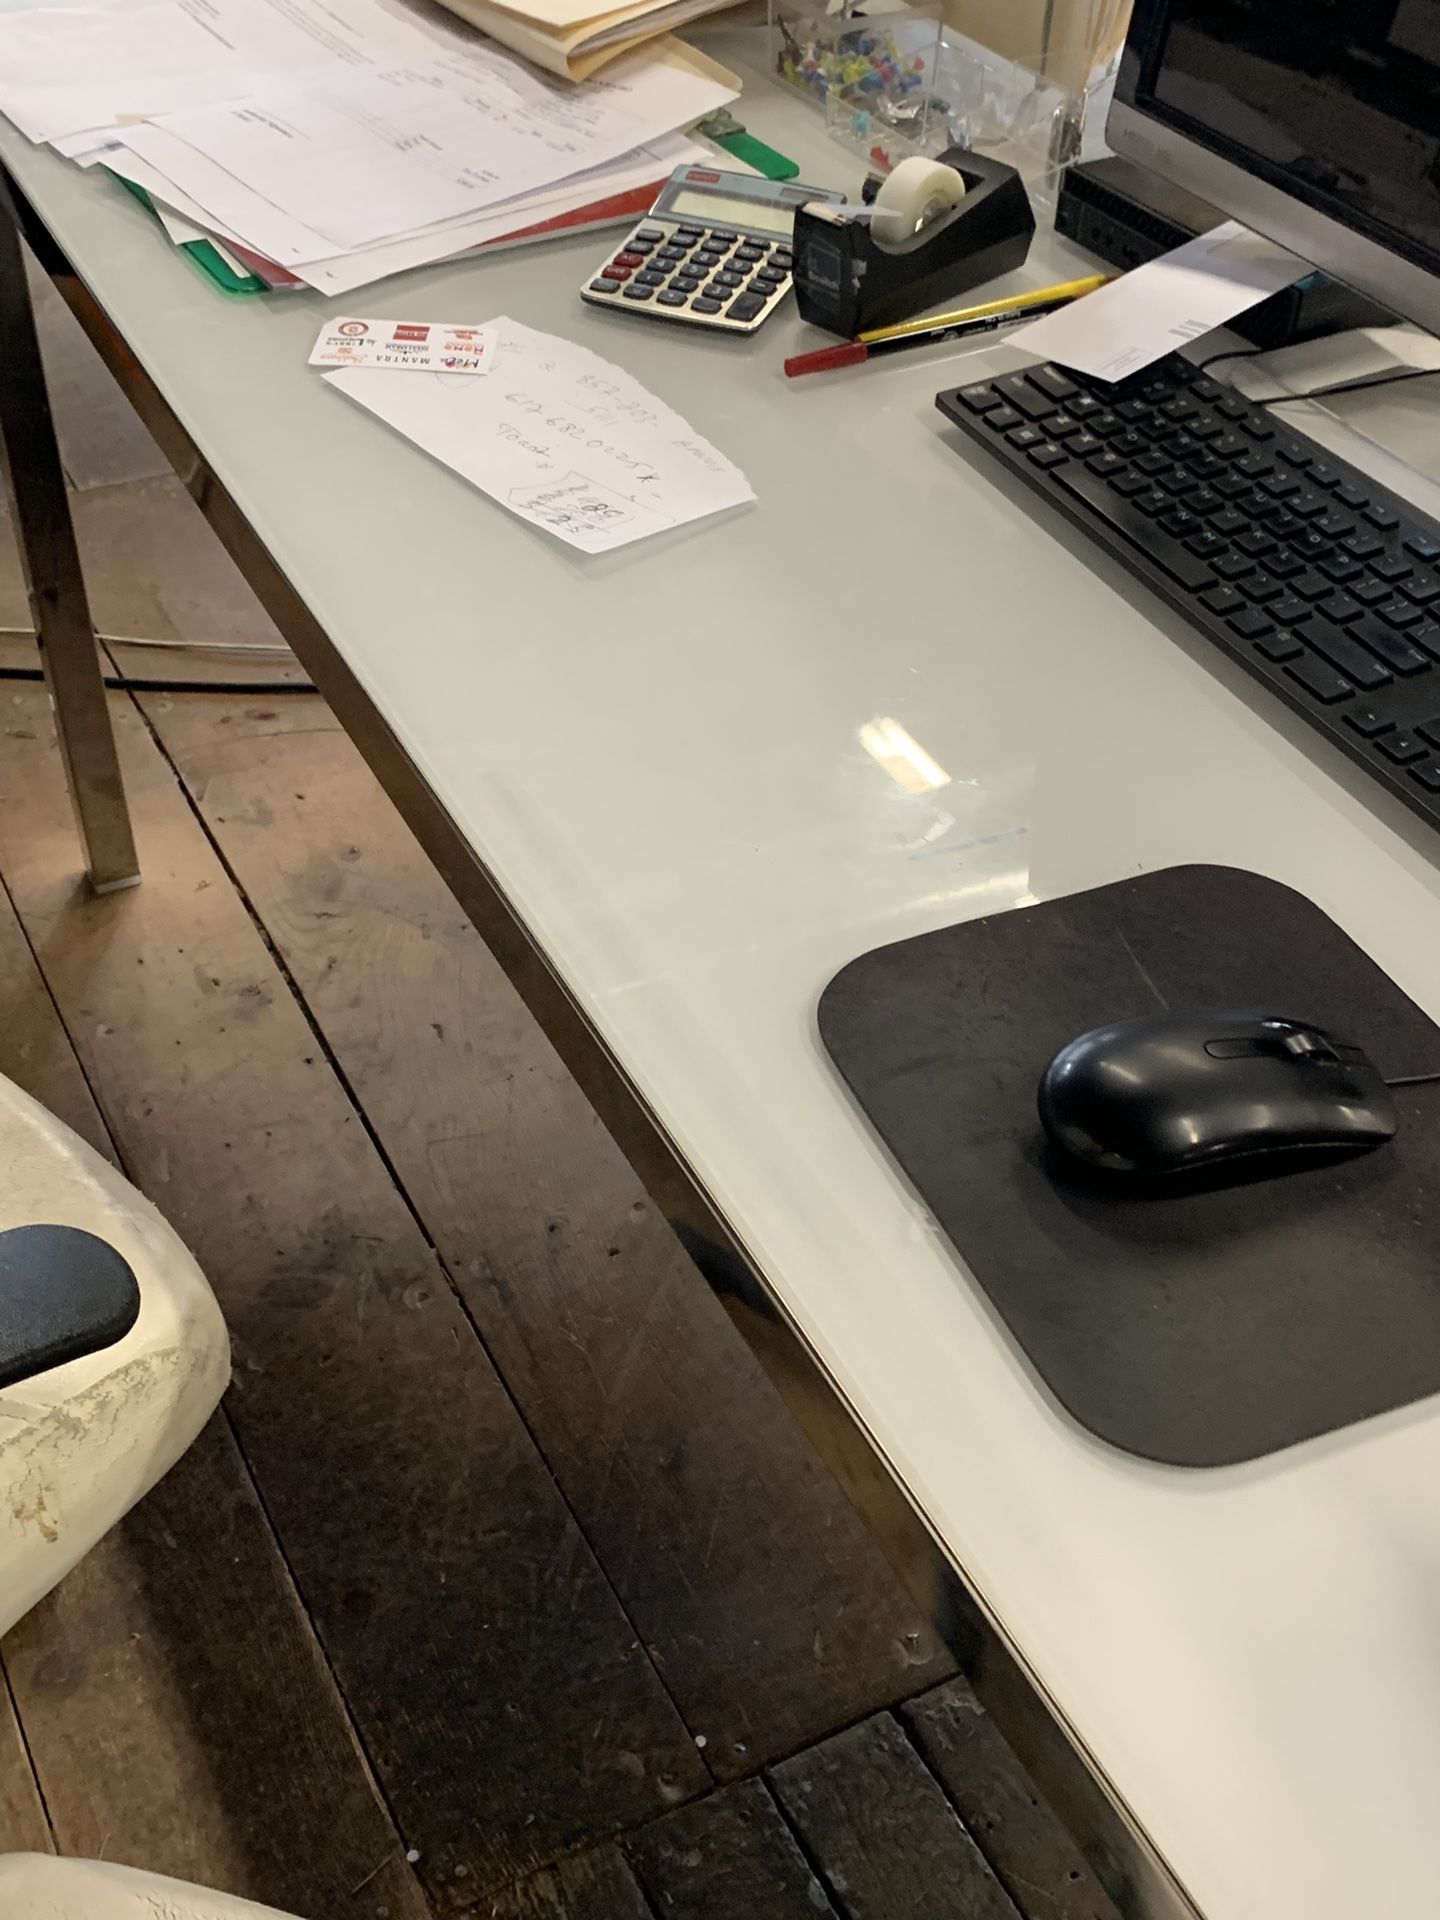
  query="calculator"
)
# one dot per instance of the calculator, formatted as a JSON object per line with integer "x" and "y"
{"x": 713, "y": 251}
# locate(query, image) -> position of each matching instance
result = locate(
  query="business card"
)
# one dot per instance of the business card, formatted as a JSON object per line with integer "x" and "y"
{"x": 402, "y": 346}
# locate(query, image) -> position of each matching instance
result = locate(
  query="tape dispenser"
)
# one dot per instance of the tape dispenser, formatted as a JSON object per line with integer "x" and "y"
{"x": 932, "y": 229}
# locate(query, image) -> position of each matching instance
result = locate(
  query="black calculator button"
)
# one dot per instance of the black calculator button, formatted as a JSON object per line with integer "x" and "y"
{"x": 632, "y": 245}
{"x": 671, "y": 253}
{"x": 782, "y": 257}
{"x": 748, "y": 253}
{"x": 717, "y": 290}
{"x": 745, "y": 308}
{"x": 670, "y": 298}
{"x": 771, "y": 277}
{"x": 688, "y": 234}
{"x": 604, "y": 286}
{"x": 762, "y": 289}
{"x": 728, "y": 280}
{"x": 684, "y": 283}
{"x": 729, "y": 239}
{"x": 652, "y": 234}
{"x": 703, "y": 304}
{"x": 703, "y": 262}
{"x": 649, "y": 278}
{"x": 634, "y": 292}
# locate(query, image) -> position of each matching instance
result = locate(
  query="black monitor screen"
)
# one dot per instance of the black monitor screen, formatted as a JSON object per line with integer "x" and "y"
{"x": 1336, "y": 101}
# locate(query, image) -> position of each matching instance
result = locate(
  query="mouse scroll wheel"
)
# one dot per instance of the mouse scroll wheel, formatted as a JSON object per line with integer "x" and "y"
{"x": 1237, "y": 1049}
{"x": 1310, "y": 1046}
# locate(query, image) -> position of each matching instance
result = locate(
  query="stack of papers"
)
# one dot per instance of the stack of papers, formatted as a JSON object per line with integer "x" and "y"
{"x": 343, "y": 145}
{"x": 574, "y": 37}
{"x": 557, "y": 435}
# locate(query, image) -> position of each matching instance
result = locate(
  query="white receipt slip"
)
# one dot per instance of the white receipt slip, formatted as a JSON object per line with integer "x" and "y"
{"x": 402, "y": 346}
{"x": 1154, "y": 309}
{"x": 561, "y": 438}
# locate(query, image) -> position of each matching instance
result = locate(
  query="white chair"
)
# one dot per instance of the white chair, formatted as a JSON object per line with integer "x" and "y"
{"x": 109, "y": 1367}
{"x": 35, "y": 1887}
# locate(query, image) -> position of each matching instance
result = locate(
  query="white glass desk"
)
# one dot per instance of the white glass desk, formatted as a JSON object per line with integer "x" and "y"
{"x": 644, "y": 777}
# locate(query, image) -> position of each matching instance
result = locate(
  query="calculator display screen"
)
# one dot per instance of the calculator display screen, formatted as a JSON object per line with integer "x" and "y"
{"x": 715, "y": 208}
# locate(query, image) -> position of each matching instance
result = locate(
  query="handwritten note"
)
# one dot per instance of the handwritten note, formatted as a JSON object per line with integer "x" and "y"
{"x": 560, "y": 437}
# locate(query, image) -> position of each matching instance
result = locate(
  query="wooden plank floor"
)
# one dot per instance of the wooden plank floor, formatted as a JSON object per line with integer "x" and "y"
{"x": 502, "y": 1583}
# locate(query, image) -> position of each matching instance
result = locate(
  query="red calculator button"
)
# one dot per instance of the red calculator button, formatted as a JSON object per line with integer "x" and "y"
{"x": 615, "y": 271}
{"x": 629, "y": 259}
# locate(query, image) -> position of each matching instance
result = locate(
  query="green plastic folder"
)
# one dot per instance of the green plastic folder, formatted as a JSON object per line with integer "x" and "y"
{"x": 211, "y": 262}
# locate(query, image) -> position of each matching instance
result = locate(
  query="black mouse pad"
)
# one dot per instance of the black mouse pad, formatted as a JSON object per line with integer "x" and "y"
{"x": 1201, "y": 1329}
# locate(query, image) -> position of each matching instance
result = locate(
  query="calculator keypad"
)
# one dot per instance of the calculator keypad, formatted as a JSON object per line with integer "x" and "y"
{"x": 726, "y": 280}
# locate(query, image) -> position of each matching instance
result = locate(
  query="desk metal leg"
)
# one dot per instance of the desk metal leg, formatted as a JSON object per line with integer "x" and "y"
{"x": 69, "y": 653}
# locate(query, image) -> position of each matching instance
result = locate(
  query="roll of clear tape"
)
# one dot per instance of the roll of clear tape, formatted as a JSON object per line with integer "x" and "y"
{"x": 917, "y": 192}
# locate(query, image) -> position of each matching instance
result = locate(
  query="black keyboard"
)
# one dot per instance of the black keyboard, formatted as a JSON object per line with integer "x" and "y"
{"x": 1315, "y": 579}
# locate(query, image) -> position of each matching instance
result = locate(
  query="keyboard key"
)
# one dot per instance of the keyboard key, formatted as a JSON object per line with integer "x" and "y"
{"x": 1423, "y": 547}
{"x": 1231, "y": 565}
{"x": 1152, "y": 503}
{"x": 1179, "y": 523}
{"x": 1179, "y": 409}
{"x": 1288, "y": 610}
{"x": 1030, "y": 401}
{"x": 1285, "y": 526}
{"x": 1250, "y": 623}
{"x": 1285, "y": 565}
{"x": 1256, "y": 465}
{"x": 1256, "y": 541}
{"x": 1363, "y": 545}
{"x": 1372, "y": 592}
{"x": 1430, "y": 730}
{"x": 1232, "y": 485}
{"x": 1105, "y": 464}
{"x": 1309, "y": 544}
{"x": 1334, "y": 526}
{"x": 1390, "y": 566}
{"x": 1026, "y": 436}
{"x": 1224, "y": 600}
{"x": 1339, "y": 567}
{"x": 1001, "y": 419}
{"x": 1400, "y": 613}
{"x": 1397, "y": 650}
{"x": 1323, "y": 476}
{"x": 1260, "y": 587}
{"x": 1338, "y": 606}
{"x": 1428, "y": 775}
{"x": 1051, "y": 380}
{"x": 1346, "y": 654}
{"x": 1167, "y": 554}
{"x": 1084, "y": 405}
{"x": 1422, "y": 589}
{"x": 1205, "y": 500}
{"x": 1381, "y": 516}
{"x": 1280, "y": 645}
{"x": 1227, "y": 520}
{"x": 1178, "y": 445}
{"x": 1402, "y": 748}
{"x": 1350, "y": 496}
{"x": 1205, "y": 544}
{"x": 1294, "y": 452}
{"x": 1048, "y": 454}
{"x": 1310, "y": 585}
{"x": 1229, "y": 444}
{"x": 1427, "y": 637}
{"x": 1130, "y": 443}
{"x": 1232, "y": 408}
{"x": 1279, "y": 486}
{"x": 1106, "y": 422}
{"x": 1129, "y": 483}
{"x": 1083, "y": 444}
{"x": 1308, "y": 504}
{"x": 1257, "y": 427}
{"x": 1205, "y": 466}
{"x": 1155, "y": 462}
{"x": 1368, "y": 722}
{"x": 1057, "y": 425}
{"x": 1133, "y": 410}
{"x": 1326, "y": 685}
{"x": 1205, "y": 428}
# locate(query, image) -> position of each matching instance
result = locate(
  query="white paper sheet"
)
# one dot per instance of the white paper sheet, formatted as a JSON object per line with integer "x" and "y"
{"x": 366, "y": 155}
{"x": 64, "y": 70}
{"x": 1168, "y": 302}
{"x": 561, "y": 438}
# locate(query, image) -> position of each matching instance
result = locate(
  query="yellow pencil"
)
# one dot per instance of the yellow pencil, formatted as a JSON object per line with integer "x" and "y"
{"x": 1015, "y": 303}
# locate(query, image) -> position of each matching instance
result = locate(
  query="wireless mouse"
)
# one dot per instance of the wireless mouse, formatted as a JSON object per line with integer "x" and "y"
{"x": 1199, "y": 1092}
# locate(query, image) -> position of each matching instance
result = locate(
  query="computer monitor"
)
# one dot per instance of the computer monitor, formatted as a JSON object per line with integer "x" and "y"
{"x": 1316, "y": 122}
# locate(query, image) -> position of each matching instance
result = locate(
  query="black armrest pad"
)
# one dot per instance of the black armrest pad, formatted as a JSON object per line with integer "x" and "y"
{"x": 63, "y": 1293}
